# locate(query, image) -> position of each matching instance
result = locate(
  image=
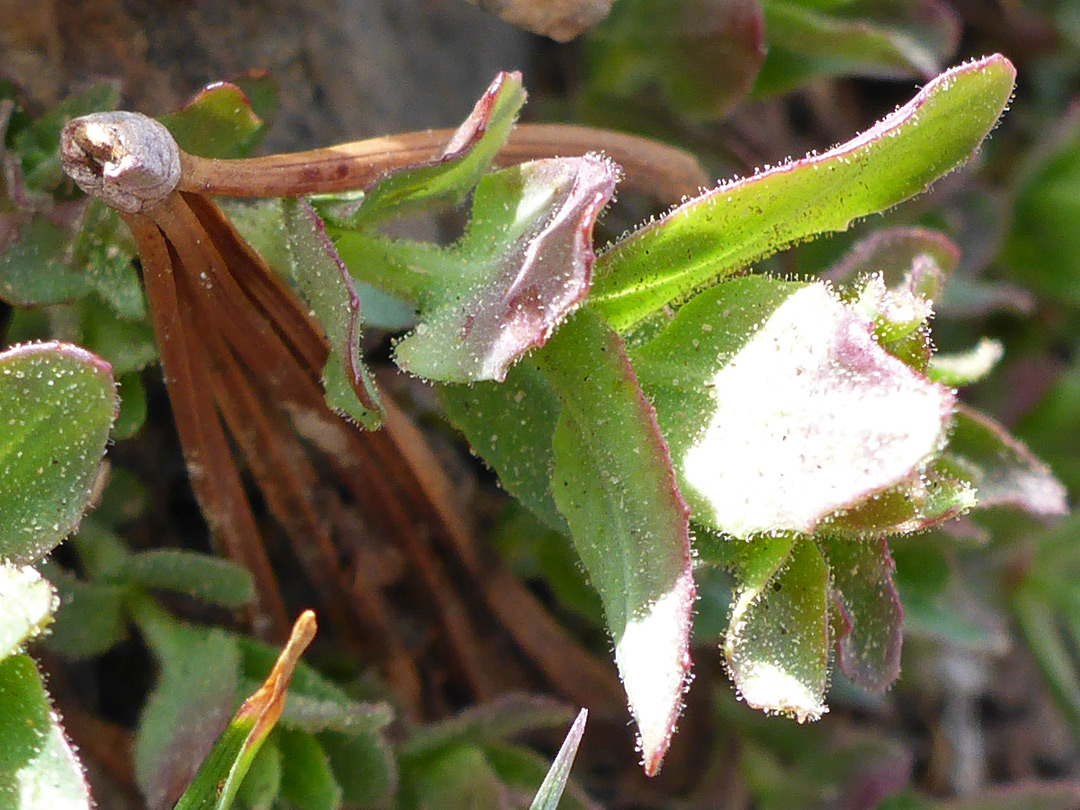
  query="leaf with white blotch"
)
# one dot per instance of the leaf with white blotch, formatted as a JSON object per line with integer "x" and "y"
{"x": 57, "y": 404}
{"x": 965, "y": 368}
{"x": 524, "y": 263}
{"x": 27, "y": 602}
{"x": 1003, "y": 470}
{"x": 38, "y": 769}
{"x": 862, "y": 587}
{"x": 327, "y": 287}
{"x": 777, "y": 644}
{"x": 614, "y": 484}
{"x": 780, "y": 408}
{"x": 714, "y": 235}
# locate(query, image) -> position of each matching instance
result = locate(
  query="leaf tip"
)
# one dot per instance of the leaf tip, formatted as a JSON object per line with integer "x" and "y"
{"x": 653, "y": 656}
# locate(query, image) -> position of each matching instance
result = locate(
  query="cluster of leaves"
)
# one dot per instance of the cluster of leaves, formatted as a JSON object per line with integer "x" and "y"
{"x": 702, "y": 58}
{"x": 318, "y": 749}
{"x": 665, "y": 411}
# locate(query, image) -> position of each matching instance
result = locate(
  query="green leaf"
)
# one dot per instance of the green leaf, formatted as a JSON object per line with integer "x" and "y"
{"x": 307, "y": 781}
{"x": 532, "y": 551}
{"x": 126, "y": 345}
{"x": 929, "y": 496}
{"x": 965, "y": 368}
{"x": 327, "y": 287}
{"x": 466, "y": 157}
{"x": 495, "y": 721}
{"x": 455, "y": 778}
{"x": 614, "y": 483}
{"x": 189, "y": 706}
{"x": 57, "y": 403}
{"x": 38, "y": 145}
{"x": 889, "y": 39}
{"x": 524, "y": 263}
{"x": 510, "y": 425}
{"x": 262, "y": 783}
{"x": 868, "y": 653}
{"x": 363, "y": 766}
{"x": 33, "y": 268}
{"x": 103, "y": 251}
{"x": 701, "y": 55}
{"x": 777, "y": 646}
{"x": 38, "y": 769}
{"x": 202, "y": 577}
{"x": 90, "y": 620}
{"x": 132, "y": 415}
{"x": 716, "y": 234}
{"x": 780, "y": 407}
{"x": 27, "y": 602}
{"x": 217, "y": 123}
{"x": 547, "y": 797}
{"x": 1043, "y": 246}
{"x": 223, "y": 770}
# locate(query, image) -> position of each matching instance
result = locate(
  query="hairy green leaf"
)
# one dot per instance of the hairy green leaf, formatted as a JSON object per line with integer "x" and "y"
{"x": 780, "y": 407}
{"x": 326, "y": 285}
{"x": 217, "y": 123}
{"x": 614, "y": 483}
{"x": 777, "y": 646}
{"x": 57, "y": 404}
{"x": 38, "y": 769}
{"x": 716, "y": 234}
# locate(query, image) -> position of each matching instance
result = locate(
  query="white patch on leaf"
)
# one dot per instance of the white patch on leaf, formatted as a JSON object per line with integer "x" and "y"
{"x": 812, "y": 415}
{"x": 653, "y": 657}
{"x": 765, "y": 685}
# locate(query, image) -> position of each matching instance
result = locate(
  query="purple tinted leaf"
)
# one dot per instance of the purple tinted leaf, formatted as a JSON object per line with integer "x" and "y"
{"x": 523, "y": 265}
{"x": 328, "y": 289}
{"x": 896, "y": 253}
{"x": 614, "y": 483}
{"x": 1004, "y": 471}
{"x": 702, "y": 54}
{"x": 862, "y": 583}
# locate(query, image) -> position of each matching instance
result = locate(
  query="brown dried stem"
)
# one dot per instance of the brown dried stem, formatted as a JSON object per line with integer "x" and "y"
{"x": 132, "y": 162}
